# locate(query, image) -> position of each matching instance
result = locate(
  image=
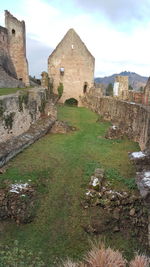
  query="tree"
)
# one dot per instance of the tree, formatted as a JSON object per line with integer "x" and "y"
{"x": 109, "y": 90}
{"x": 130, "y": 87}
{"x": 141, "y": 89}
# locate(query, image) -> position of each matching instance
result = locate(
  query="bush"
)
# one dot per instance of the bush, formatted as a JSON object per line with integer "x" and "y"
{"x": 60, "y": 89}
{"x": 140, "y": 261}
{"x": 102, "y": 257}
{"x": 99, "y": 256}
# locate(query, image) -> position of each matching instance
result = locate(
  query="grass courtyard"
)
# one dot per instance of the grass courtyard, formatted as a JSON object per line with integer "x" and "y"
{"x": 60, "y": 166}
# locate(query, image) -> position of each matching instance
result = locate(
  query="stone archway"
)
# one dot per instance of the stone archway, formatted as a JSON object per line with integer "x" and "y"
{"x": 71, "y": 102}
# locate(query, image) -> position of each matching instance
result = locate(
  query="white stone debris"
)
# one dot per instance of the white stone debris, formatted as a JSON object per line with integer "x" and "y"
{"x": 139, "y": 154}
{"x": 88, "y": 193}
{"x": 16, "y": 188}
{"x": 115, "y": 192}
{"x": 114, "y": 127}
{"x": 95, "y": 182}
{"x": 147, "y": 174}
{"x": 146, "y": 179}
{"x": 133, "y": 103}
{"x": 146, "y": 182}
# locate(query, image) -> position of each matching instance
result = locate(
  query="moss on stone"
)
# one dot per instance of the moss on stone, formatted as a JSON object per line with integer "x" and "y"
{"x": 43, "y": 104}
{"x": 60, "y": 89}
{"x": 1, "y": 108}
{"x": 23, "y": 98}
{"x": 9, "y": 120}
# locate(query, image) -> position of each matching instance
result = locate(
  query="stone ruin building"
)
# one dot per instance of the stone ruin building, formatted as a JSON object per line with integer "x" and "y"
{"x": 146, "y": 98}
{"x": 13, "y": 62}
{"x": 72, "y": 65}
{"x": 121, "y": 86}
{"x": 142, "y": 97}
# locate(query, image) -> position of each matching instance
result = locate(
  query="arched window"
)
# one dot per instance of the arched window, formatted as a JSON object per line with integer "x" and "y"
{"x": 13, "y": 32}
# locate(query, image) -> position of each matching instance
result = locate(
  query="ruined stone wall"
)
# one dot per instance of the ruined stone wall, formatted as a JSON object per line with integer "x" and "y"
{"x": 17, "y": 46}
{"x": 137, "y": 97}
{"x": 18, "y": 111}
{"x": 133, "y": 119}
{"x": 72, "y": 65}
{"x": 147, "y": 93}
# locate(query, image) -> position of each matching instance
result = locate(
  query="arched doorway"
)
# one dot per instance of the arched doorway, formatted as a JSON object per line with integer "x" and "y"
{"x": 71, "y": 102}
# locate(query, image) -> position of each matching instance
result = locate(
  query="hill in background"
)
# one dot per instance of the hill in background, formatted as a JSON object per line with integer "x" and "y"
{"x": 135, "y": 80}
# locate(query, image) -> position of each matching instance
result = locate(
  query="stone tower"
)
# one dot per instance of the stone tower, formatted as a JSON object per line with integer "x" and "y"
{"x": 121, "y": 85}
{"x": 72, "y": 65}
{"x": 17, "y": 46}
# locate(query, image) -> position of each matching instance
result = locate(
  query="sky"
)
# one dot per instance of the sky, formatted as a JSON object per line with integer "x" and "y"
{"x": 116, "y": 32}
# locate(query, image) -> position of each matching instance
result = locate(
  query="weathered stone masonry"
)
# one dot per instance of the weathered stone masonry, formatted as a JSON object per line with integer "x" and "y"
{"x": 18, "y": 111}
{"x": 17, "y": 46}
{"x": 13, "y": 62}
{"x": 24, "y": 118}
{"x": 72, "y": 65}
{"x": 133, "y": 119}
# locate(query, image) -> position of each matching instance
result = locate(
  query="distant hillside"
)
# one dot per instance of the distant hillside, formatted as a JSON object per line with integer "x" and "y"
{"x": 135, "y": 80}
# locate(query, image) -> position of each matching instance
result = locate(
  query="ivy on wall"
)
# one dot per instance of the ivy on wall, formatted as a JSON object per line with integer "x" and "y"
{"x": 23, "y": 99}
{"x": 8, "y": 119}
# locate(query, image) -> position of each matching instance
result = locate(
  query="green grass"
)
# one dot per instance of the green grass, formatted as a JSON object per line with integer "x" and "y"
{"x": 8, "y": 91}
{"x": 60, "y": 166}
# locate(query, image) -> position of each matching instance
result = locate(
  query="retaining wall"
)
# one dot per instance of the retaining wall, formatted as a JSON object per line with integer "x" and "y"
{"x": 19, "y": 111}
{"x": 134, "y": 119}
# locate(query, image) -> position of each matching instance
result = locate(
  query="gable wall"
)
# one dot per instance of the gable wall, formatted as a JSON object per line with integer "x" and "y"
{"x": 78, "y": 66}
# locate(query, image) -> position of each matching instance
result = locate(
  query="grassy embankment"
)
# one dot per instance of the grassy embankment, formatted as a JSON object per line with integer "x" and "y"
{"x": 8, "y": 91}
{"x": 61, "y": 165}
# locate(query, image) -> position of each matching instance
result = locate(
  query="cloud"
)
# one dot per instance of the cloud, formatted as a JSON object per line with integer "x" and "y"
{"x": 124, "y": 11}
{"x": 114, "y": 49}
{"x": 1, "y": 18}
{"x": 37, "y": 54}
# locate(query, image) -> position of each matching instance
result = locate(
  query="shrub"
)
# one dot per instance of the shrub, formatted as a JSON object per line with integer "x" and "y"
{"x": 69, "y": 263}
{"x": 23, "y": 99}
{"x": 101, "y": 257}
{"x": 9, "y": 120}
{"x": 140, "y": 261}
{"x": 60, "y": 89}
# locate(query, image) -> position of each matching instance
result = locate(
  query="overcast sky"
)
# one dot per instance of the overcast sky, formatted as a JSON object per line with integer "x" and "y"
{"x": 115, "y": 31}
